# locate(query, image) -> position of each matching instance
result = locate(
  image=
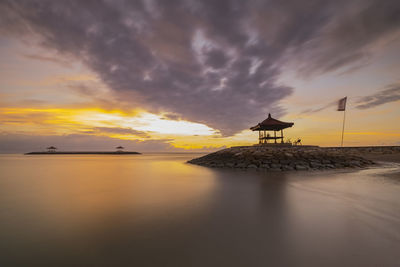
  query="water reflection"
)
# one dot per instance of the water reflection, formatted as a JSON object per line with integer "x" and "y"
{"x": 155, "y": 210}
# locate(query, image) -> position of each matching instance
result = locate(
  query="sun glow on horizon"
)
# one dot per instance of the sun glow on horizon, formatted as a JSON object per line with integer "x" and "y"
{"x": 36, "y": 120}
{"x": 140, "y": 125}
{"x": 144, "y": 121}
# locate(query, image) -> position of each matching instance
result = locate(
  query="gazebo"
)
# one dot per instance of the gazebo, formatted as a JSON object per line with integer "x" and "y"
{"x": 119, "y": 148}
{"x": 270, "y": 124}
{"x": 51, "y": 149}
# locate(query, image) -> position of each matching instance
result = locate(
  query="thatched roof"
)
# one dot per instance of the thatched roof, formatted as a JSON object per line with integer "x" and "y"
{"x": 271, "y": 124}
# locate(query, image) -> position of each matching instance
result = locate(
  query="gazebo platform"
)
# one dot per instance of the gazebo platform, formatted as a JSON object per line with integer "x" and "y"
{"x": 271, "y": 125}
{"x": 274, "y": 144}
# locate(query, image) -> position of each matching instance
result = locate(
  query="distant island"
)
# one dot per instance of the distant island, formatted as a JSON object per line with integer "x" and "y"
{"x": 52, "y": 150}
{"x": 83, "y": 153}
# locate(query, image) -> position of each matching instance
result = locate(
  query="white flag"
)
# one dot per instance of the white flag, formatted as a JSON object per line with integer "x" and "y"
{"x": 342, "y": 104}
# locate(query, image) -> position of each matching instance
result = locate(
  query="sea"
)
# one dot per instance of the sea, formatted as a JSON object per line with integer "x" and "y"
{"x": 157, "y": 210}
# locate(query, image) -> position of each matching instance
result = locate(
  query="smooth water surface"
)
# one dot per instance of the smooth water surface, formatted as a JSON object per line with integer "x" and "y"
{"x": 156, "y": 210}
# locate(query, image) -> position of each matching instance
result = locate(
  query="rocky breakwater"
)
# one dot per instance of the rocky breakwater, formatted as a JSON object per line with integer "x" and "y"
{"x": 282, "y": 158}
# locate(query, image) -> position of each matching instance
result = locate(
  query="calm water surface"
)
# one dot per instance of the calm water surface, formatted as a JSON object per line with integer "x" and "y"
{"x": 155, "y": 210}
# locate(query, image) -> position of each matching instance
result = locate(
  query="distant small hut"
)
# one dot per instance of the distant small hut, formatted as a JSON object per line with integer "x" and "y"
{"x": 270, "y": 124}
{"x": 51, "y": 149}
{"x": 119, "y": 148}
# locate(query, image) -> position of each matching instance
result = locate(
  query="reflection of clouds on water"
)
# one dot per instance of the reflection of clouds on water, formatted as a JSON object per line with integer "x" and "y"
{"x": 155, "y": 210}
{"x": 99, "y": 186}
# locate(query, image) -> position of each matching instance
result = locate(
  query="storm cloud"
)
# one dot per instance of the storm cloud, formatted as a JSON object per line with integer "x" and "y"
{"x": 214, "y": 62}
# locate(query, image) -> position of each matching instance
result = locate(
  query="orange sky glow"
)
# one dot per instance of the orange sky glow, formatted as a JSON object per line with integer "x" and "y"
{"x": 55, "y": 95}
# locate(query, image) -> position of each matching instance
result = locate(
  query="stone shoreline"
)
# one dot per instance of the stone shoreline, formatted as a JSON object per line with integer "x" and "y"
{"x": 296, "y": 158}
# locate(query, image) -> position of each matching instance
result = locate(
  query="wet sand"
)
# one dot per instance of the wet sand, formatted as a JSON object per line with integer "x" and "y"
{"x": 384, "y": 159}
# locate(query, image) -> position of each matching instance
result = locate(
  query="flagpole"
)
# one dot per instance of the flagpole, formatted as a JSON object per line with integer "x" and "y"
{"x": 344, "y": 118}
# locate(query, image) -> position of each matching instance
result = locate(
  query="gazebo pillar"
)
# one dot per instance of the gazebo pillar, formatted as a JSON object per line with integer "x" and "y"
{"x": 270, "y": 124}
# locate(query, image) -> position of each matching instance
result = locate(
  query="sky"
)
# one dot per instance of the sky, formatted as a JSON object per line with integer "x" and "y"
{"x": 191, "y": 75}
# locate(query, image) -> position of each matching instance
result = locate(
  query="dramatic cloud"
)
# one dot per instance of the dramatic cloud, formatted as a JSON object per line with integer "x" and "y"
{"x": 214, "y": 62}
{"x": 349, "y": 32}
{"x": 390, "y": 94}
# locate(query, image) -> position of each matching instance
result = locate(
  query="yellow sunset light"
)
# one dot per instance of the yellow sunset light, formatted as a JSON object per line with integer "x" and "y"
{"x": 145, "y": 122}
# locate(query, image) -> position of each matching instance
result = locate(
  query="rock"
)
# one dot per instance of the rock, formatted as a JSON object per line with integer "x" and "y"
{"x": 315, "y": 165}
{"x": 275, "y": 166}
{"x": 355, "y": 163}
{"x": 287, "y": 168}
{"x": 301, "y": 167}
{"x": 339, "y": 165}
{"x": 277, "y": 159}
{"x": 257, "y": 153}
{"x": 240, "y": 165}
